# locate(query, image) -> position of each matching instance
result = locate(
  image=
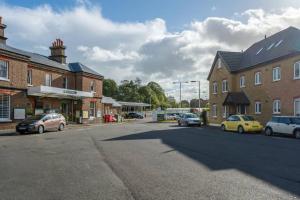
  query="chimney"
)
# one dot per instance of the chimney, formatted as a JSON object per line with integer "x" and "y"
{"x": 2, "y": 27}
{"x": 265, "y": 36}
{"x": 58, "y": 51}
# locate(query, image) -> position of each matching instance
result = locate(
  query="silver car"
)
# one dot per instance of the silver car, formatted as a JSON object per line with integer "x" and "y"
{"x": 289, "y": 125}
{"x": 189, "y": 119}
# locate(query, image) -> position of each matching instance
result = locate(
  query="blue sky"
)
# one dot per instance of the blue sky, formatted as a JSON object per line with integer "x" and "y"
{"x": 155, "y": 40}
{"x": 176, "y": 13}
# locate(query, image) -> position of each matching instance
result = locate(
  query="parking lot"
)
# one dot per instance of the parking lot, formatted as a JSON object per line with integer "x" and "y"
{"x": 143, "y": 160}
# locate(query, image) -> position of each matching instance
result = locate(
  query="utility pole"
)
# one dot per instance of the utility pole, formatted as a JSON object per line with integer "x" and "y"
{"x": 199, "y": 90}
{"x": 180, "y": 86}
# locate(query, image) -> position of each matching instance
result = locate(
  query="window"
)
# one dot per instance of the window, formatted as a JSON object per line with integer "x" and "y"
{"x": 297, "y": 107}
{"x": 224, "y": 86}
{"x": 3, "y": 70}
{"x": 219, "y": 63}
{"x": 297, "y": 70}
{"x": 92, "y": 86}
{"x": 242, "y": 81}
{"x": 65, "y": 82}
{"x": 278, "y": 43}
{"x": 48, "y": 80}
{"x": 29, "y": 77}
{"x": 276, "y": 106}
{"x": 215, "y": 88}
{"x": 214, "y": 110}
{"x": 276, "y": 74}
{"x": 259, "y": 51}
{"x": 4, "y": 107}
{"x": 257, "y": 78}
{"x": 92, "y": 109}
{"x": 284, "y": 120}
{"x": 225, "y": 111}
{"x": 258, "y": 107}
{"x": 270, "y": 46}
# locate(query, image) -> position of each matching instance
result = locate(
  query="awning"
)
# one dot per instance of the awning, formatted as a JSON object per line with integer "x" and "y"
{"x": 46, "y": 91}
{"x": 134, "y": 104}
{"x": 109, "y": 100}
{"x": 236, "y": 98}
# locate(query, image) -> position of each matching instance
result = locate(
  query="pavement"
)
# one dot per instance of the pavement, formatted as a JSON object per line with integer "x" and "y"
{"x": 142, "y": 160}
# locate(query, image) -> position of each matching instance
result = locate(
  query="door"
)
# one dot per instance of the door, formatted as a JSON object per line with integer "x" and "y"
{"x": 232, "y": 122}
{"x": 297, "y": 107}
{"x": 285, "y": 125}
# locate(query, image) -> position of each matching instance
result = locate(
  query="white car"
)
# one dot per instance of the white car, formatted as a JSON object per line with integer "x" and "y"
{"x": 284, "y": 125}
{"x": 189, "y": 119}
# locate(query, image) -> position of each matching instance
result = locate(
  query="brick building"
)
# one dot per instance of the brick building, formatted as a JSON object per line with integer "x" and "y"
{"x": 262, "y": 81}
{"x": 31, "y": 83}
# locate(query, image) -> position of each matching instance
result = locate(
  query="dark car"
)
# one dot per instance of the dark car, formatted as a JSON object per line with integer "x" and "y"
{"x": 41, "y": 123}
{"x": 134, "y": 116}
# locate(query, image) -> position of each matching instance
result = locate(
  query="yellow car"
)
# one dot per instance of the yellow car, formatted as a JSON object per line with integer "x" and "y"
{"x": 241, "y": 124}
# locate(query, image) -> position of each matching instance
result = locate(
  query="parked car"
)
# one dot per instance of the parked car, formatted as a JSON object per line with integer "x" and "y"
{"x": 134, "y": 115}
{"x": 241, "y": 124}
{"x": 189, "y": 119}
{"x": 283, "y": 125}
{"x": 42, "y": 123}
{"x": 171, "y": 116}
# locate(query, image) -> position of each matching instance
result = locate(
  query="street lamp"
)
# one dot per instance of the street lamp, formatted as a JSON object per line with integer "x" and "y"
{"x": 180, "y": 83}
{"x": 199, "y": 93}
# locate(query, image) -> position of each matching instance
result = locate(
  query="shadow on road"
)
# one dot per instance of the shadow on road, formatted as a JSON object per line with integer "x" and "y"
{"x": 273, "y": 160}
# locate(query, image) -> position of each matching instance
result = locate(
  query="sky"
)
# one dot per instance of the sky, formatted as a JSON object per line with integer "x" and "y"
{"x": 162, "y": 41}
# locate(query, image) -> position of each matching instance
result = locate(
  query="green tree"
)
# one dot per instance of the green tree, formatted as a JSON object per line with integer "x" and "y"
{"x": 110, "y": 88}
{"x": 185, "y": 104}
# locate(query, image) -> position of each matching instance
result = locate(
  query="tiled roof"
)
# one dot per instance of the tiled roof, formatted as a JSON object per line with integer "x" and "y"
{"x": 236, "y": 98}
{"x": 44, "y": 60}
{"x": 281, "y": 44}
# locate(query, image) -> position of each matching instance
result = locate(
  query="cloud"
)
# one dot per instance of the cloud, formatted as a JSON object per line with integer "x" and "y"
{"x": 144, "y": 49}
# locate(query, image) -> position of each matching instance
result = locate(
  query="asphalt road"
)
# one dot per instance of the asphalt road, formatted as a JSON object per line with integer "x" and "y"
{"x": 143, "y": 160}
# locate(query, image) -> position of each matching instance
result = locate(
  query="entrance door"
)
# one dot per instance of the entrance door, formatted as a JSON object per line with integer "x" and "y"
{"x": 241, "y": 109}
{"x": 297, "y": 107}
{"x": 65, "y": 109}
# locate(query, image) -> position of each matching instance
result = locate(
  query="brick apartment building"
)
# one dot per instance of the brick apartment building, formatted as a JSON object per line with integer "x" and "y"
{"x": 31, "y": 83}
{"x": 262, "y": 81}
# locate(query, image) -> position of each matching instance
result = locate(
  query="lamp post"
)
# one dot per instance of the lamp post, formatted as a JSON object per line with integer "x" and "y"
{"x": 199, "y": 84}
{"x": 180, "y": 86}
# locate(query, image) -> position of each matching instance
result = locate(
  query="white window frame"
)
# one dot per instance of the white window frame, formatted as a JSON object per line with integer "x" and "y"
{"x": 276, "y": 72}
{"x": 9, "y": 109}
{"x": 50, "y": 80}
{"x": 29, "y": 77}
{"x": 214, "y": 111}
{"x": 6, "y": 65}
{"x": 258, "y": 107}
{"x": 219, "y": 63}
{"x": 276, "y": 106}
{"x": 225, "y": 86}
{"x": 295, "y": 102}
{"x": 94, "y": 110}
{"x": 215, "y": 87}
{"x": 257, "y": 78}
{"x": 66, "y": 82}
{"x": 225, "y": 112}
{"x": 242, "y": 81}
{"x": 297, "y": 65}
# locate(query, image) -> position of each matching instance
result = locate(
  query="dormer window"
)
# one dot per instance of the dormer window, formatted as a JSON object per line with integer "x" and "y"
{"x": 278, "y": 43}
{"x": 219, "y": 63}
{"x": 259, "y": 51}
{"x": 270, "y": 46}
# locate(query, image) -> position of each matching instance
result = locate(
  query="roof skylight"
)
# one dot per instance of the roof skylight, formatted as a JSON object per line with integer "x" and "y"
{"x": 259, "y": 51}
{"x": 278, "y": 43}
{"x": 270, "y": 46}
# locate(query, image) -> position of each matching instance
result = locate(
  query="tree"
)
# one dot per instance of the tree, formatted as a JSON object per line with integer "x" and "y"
{"x": 185, "y": 104}
{"x": 110, "y": 88}
{"x": 128, "y": 91}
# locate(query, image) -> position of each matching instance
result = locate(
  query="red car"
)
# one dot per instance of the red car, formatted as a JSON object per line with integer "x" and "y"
{"x": 42, "y": 123}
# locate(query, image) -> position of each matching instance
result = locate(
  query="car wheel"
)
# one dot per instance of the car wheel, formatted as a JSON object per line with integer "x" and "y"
{"x": 40, "y": 129}
{"x": 268, "y": 131}
{"x": 240, "y": 129}
{"x": 223, "y": 128}
{"x": 297, "y": 134}
{"x": 61, "y": 127}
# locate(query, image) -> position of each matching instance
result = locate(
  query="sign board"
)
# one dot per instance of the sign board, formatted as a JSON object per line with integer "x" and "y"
{"x": 99, "y": 114}
{"x": 160, "y": 117}
{"x": 85, "y": 114}
{"x": 77, "y": 113}
{"x": 19, "y": 113}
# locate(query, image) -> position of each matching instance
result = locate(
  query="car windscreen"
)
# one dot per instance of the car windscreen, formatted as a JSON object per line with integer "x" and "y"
{"x": 248, "y": 118}
{"x": 36, "y": 117}
{"x": 191, "y": 116}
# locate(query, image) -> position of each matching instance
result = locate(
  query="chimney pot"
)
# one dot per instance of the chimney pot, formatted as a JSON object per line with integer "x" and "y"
{"x": 265, "y": 36}
{"x": 58, "y": 51}
{"x": 0, "y": 20}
